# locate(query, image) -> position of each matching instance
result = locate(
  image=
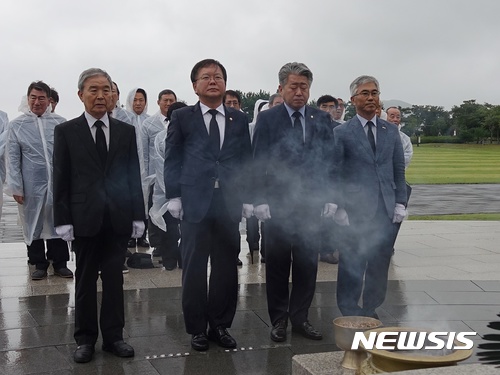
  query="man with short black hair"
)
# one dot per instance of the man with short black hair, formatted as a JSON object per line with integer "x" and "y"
{"x": 29, "y": 180}
{"x": 328, "y": 103}
{"x": 207, "y": 156}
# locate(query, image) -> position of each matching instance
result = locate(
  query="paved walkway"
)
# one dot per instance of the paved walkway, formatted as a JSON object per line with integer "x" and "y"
{"x": 445, "y": 275}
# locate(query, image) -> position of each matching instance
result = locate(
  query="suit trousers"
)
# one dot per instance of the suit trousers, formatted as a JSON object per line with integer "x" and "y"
{"x": 217, "y": 237}
{"x": 291, "y": 242}
{"x": 104, "y": 252}
{"x": 57, "y": 251}
{"x": 166, "y": 242}
{"x": 365, "y": 255}
{"x": 253, "y": 235}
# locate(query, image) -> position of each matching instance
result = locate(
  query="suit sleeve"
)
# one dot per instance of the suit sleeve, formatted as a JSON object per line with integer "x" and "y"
{"x": 134, "y": 180}
{"x": 61, "y": 178}
{"x": 174, "y": 146}
{"x": 260, "y": 149}
{"x": 399, "y": 171}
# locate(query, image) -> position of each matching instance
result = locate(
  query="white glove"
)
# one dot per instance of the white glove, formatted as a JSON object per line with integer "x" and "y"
{"x": 329, "y": 210}
{"x": 341, "y": 217}
{"x": 65, "y": 232}
{"x": 137, "y": 228}
{"x": 400, "y": 213}
{"x": 247, "y": 211}
{"x": 262, "y": 212}
{"x": 174, "y": 206}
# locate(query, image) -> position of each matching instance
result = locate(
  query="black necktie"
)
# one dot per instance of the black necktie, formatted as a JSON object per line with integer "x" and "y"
{"x": 298, "y": 135}
{"x": 214, "y": 133}
{"x": 100, "y": 142}
{"x": 371, "y": 137}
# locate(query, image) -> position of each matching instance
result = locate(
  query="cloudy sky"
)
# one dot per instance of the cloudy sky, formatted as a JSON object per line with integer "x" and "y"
{"x": 433, "y": 52}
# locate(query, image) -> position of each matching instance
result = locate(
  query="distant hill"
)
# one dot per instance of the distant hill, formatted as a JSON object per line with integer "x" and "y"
{"x": 396, "y": 103}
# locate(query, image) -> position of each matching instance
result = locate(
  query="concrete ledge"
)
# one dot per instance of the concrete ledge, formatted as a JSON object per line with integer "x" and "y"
{"x": 329, "y": 364}
{"x": 320, "y": 364}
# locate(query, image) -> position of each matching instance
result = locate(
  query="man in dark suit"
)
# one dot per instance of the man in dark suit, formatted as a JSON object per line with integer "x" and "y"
{"x": 207, "y": 152}
{"x": 98, "y": 203}
{"x": 292, "y": 148}
{"x": 370, "y": 177}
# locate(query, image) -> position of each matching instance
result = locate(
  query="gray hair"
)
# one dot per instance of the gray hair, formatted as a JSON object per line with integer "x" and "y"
{"x": 299, "y": 69}
{"x": 92, "y": 72}
{"x": 361, "y": 80}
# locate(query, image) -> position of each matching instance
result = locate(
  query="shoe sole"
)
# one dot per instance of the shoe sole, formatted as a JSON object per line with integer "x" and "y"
{"x": 278, "y": 339}
{"x": 214, "y": 339}
{"x": 306, "y": 335}
{"x": 64, "y": 276}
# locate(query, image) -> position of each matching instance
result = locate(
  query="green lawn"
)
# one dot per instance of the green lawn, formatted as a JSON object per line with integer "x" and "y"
{"x": 454, "y": 164}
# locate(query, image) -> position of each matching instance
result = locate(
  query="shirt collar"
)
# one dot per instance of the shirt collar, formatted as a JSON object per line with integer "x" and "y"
{"x": 91, "y": 119}
{"x": 205, "y": 109}
{"x": 365, "y": 121}
{"x": 291, "y": 111}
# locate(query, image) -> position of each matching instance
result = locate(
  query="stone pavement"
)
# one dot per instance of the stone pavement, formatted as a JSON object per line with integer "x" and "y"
{"x": 445, "y": 275}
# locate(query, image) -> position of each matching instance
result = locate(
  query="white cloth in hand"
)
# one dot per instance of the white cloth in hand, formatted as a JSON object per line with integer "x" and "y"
{"x": 174, "y": 206}
{"x": 137, "y": 229}
{"x": 400, "y": 213}
{"x": 247, "y": 211}
{"x": 65, "y": 232}
{"x": 262, "y": 212}
{"x": 341, "y": 217}
{"x": 329, "y": 210}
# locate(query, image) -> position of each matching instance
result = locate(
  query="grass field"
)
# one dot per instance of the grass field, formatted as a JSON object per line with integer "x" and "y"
{"x": 454, "y": 164}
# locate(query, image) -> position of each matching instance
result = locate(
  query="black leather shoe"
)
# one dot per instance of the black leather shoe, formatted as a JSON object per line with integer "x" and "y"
{"x": 222, "y": 337}
{"x": 329, "y": 258}
{"x": 170, "y": 264}
{"x": 39, "y": 275}
{"x": 278, "y": 332}
{"x": 142, "y": 242}
{"x": 156, "y": 252}
{"x": 64, "y": 272}
{"x": 119, "y": 348}
{"x": 308, "y": 331}
{"x": 132, "y": 243}
{"x": 83, "y": 353}
{"x": 199, "y": 342}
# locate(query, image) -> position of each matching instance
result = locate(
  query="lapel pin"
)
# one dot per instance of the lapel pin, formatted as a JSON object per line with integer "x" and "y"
{"x": 230, "y": 119}
{"x": 383, "y": 127}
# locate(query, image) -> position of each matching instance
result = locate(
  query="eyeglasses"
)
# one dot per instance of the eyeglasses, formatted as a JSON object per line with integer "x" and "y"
{"x": 206, "y": 78}
{"x": 367, "y": 94}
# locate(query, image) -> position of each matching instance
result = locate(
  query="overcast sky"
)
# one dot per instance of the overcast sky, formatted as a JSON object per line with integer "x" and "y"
{"x": 433, "y": 52}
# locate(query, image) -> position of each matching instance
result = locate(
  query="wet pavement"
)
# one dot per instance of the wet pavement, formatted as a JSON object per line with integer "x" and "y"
{"x": 445, "y": 276}
{"x": 455, "y": 199}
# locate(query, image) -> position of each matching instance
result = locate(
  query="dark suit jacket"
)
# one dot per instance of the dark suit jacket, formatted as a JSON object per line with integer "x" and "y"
{"x": 362, "y": 176}
{"x": 83, "y": 188}
{"x": 283, "y": 178}
{"x": 190, "y": 165}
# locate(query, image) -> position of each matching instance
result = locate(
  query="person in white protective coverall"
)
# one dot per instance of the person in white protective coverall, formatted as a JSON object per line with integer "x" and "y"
{"x": 30, "y": 141}
{"x": 137, "y": 105}
{"x": 147, "y": 134}
{"x": 167, "y": 234}
{"x": 115, "y": 110}
{"x": 4, "y": 120}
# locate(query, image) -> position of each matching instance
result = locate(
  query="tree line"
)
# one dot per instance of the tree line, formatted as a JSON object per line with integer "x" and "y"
{"x": 470, "y": 122}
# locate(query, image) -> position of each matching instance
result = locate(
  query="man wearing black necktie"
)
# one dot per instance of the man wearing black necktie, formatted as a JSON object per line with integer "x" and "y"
{"x": 292, "y": 148}
{"x": 370, "y": 181}
{"x": 98, "y": 204}
{"x": 207, "y": 154}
